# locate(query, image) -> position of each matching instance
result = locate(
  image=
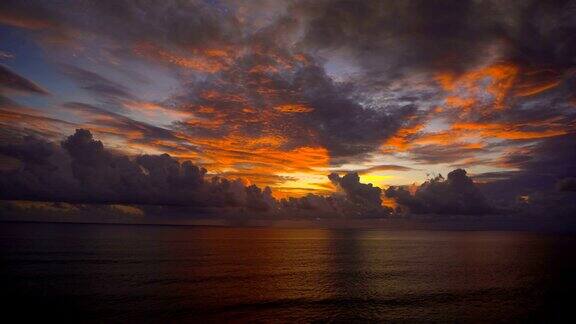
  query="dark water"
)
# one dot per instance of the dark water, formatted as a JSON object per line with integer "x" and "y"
{"x": 126, "y": 273}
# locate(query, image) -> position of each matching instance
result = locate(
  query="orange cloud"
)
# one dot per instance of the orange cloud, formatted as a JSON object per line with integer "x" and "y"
{"x": 19, "y": 21}
{"x": 402, "y": 139}
{"x": 466, "y": 90}
{"x": 501, "y": 80}
{"x": 260, "y": 159}
{"x": 22, "y": 118}
{"x": 293, "y": 108}
{"x": 467, "y": 134}
{"x": 441, "y": 138}
{"x": 252, "y": 131}
{"x": 151, "y": 109}
{"x": 536, "y": 89}
{"x": 507, "y": 131}
{"x": 210, "y": 61}
{"x": 215, "y": 95}
{"x": 389, "y": 202}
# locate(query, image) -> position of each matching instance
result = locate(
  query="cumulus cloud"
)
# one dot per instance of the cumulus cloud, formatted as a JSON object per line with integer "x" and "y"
{"x": 456, "y": 195}
{"x": 81, "y": 170}
{"x": 359, "y": 193}
{"x": 42, "y": 173}
{"x": 353, "y": 199}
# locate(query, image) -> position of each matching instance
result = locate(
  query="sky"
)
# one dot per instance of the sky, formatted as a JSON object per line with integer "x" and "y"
{"x": 294, "y": 96}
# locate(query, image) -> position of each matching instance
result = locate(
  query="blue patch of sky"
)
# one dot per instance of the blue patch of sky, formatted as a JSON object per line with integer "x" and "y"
{"x": 30, "y": 61}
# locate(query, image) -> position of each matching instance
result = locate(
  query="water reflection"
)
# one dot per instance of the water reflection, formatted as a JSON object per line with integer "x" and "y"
{"x": 134, "y": 273}
{"x": 351, "y": 276}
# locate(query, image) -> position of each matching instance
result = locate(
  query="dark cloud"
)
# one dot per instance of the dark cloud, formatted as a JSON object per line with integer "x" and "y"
{"x": 554, "y": 156}
{"x": 390, "y": 41}
{"x": 567, "y": 184}
{"x": 495, "y": 176}
{"x": 434, "y": 154}
{"x": 542, "y": 166}
{"x": 83, "y": 171}
{"x": 331, "y": 116}
{"x": 117, "y": 124}
{"x": 42, "y": 174}
{"x": 346, "y": 128}
{"x": 352, "y": 200}
{"x": 390, "y": 38}
{"x": 474, "y": 43}
{"x": 337, "y": 120}
{"x": 189, "y": 23}
{"x": 11, "y": 81}
{"x": 456, "y": 195}
{"x": 364, "y": 197}
{"x": 102, "y": 88}
{"x": 543, "y": 33}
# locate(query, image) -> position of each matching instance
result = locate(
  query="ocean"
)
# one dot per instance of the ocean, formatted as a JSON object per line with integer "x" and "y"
{"x": 145, "y": 273}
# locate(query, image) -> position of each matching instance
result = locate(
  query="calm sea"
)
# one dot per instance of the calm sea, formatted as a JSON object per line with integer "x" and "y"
{"x": 130, "y": 273}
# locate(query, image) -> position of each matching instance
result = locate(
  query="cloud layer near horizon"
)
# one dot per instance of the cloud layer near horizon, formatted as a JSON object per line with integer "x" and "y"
{"x": 82, "y": 170}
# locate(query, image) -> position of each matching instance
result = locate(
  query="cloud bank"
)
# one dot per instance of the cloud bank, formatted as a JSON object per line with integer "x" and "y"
{"x": 82, "y": 170}
{"x": 455, "y": 195}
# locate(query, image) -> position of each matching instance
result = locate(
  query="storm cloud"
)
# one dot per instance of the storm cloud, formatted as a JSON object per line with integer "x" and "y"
{"x": 82, "y": 170}
{"x": 545, "y": 167}
{"x": 455, "y": 195}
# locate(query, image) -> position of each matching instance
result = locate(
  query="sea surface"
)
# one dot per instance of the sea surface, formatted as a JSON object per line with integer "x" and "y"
{"x": 167, "y": 274}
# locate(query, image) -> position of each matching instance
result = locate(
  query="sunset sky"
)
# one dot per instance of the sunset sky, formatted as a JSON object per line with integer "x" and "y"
{"x": 283, "y": 93}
